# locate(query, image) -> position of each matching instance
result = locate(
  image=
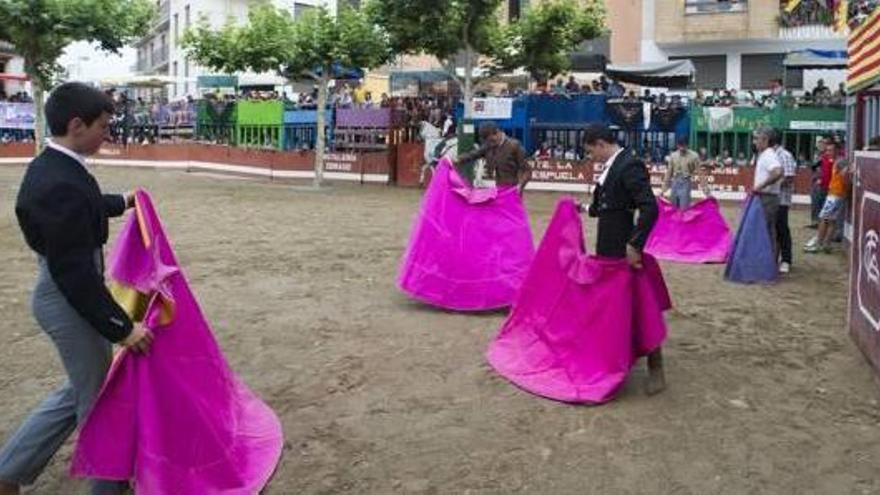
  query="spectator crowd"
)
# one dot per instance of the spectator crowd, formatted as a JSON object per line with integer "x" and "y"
{"x": 20, "y": 97}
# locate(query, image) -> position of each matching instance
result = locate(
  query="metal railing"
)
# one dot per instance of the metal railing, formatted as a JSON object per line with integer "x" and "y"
{"x": 715, "y": 6}
{"x": 160, "y": 56}
{"x": 163, "y": 14}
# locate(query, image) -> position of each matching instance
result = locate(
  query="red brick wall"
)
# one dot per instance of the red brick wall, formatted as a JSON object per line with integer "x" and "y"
{"x": 402, "y": 163}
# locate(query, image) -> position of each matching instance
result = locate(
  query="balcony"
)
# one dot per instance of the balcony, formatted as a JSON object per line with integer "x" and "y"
{"x": 810, "y": 32}
{"x": 160, "y": 57}
{"x": 808, "y": 21}
{"x": 153, "y": 61}
{"x": 715, "y": 6}
{"x": 163, "y": 15}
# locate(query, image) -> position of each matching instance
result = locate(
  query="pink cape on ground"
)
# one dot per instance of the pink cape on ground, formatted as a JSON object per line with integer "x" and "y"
{"x": 469, "y": 249}
{"x": 697, "y": 234}
{"x": 178, "y": 420}
{"x": 580, "y": 321}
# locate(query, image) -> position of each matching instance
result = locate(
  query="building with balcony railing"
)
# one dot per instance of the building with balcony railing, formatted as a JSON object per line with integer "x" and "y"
{"x": 160, "y": 51}
{"x": 163, "y": 15}
{"x": 153, "y": 50}
{"x": 740, "y": 44}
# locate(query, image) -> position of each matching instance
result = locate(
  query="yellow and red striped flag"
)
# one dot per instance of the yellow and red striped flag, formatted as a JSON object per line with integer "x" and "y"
{"x": 863, "y": 54}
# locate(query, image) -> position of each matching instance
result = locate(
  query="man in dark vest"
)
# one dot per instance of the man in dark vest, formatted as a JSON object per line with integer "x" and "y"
{"x": 623, "y": 188}
{"x": 505, "y": 157}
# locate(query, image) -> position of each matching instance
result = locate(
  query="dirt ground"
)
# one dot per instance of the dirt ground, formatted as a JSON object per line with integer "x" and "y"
{"x": 378, "y": 394}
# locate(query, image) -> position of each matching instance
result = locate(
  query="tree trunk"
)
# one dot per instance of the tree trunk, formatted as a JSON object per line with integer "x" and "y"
{"x": 468, "y": 82}
{"x": 320, "y": 143}
{"x": 39, "y": 117}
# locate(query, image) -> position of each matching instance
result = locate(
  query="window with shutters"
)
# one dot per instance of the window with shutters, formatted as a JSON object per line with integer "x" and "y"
{"x": 711, "y": 71}
{"x": 758, "y": 70}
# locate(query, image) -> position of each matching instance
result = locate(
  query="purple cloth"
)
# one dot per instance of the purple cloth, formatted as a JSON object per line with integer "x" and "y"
{"x": 580, "y": 321}
{"x": 697, "y": 234}
{"x": 177, "y": 420}
{"x": 752, "y": 258}
{"x": 469, "y": 249}
{"x": 363, "y": 117}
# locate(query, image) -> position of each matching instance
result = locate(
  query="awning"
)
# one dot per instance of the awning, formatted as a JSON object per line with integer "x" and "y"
{"x": 585, "y": 62}
{"x": 815, "y": 59}
{"x": 342, "y": 72}
{"x": 265, "y": 79}
{"x": 421, "y": 76}
{"x": 156, "y": 81}
{"x": 338, "y": 72}
{"x": 217, "y": 81}
{"x": 5, "y": 76}
{"x": 592, "y": 55}
{"x": 675, "y": 73}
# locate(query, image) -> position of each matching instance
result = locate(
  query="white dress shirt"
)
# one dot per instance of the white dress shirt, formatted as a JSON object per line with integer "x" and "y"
{"x": 67, "y": 151}
{"x": 608, "y": 165}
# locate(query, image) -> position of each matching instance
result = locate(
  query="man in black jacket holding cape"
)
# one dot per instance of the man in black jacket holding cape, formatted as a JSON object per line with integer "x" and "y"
{"x": 623, "y": 188}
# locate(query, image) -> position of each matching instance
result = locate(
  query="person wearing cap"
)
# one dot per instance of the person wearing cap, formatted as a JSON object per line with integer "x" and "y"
{"x": 681, "y": 165}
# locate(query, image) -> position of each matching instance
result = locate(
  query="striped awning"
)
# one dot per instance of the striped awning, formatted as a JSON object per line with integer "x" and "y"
{"x": 863, "y": 68}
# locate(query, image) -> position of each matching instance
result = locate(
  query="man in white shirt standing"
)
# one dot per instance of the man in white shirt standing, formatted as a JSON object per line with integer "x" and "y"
{"x": 768, "y": 179}
{"x": 789, "y": 167}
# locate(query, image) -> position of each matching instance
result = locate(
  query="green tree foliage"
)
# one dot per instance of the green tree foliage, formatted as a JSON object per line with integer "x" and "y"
{"x": 543, "y": 39}
{"x": 40, "y": 30}
{"x": 447, "y": 29}
{"x": 308, "y": 47}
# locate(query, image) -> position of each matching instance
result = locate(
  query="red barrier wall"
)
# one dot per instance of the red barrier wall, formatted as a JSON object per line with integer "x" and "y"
{"x": 401, "y": 164}
{"x": 864, "y": 293}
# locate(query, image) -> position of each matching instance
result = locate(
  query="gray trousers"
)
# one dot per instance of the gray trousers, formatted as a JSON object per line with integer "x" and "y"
{"x": 86, "y": 357}
{"x": 681, "y": 192}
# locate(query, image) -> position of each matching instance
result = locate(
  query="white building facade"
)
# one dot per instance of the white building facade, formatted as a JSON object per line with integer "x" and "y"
{"x": 161, "y": 53}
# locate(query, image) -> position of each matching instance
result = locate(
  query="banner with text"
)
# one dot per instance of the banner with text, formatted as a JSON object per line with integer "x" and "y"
{"x": 17, "y": 115}
{"x": 493, "y": 108}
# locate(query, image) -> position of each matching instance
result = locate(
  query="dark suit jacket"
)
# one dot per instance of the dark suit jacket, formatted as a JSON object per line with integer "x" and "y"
{"x": 63, "y": 217}
{"x": 627, "y": 188}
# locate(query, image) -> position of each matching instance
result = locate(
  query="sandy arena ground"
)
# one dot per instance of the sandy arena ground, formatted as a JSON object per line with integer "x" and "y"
{"x": 380, "y": 395}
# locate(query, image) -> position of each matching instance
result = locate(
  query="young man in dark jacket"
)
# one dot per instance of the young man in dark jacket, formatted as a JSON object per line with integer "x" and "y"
{"x": 63, "y": 216}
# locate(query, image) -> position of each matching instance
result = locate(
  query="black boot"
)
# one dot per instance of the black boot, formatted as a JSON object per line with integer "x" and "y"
{"x": 656, "y": 377}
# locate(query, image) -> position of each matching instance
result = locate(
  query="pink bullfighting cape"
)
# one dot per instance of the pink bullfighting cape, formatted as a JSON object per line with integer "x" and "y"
{"x": 469, "y": 249}
{"x": 178, "y": 420}
{"x": 580, "y": 321}
{"x": 697, "y": 234}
